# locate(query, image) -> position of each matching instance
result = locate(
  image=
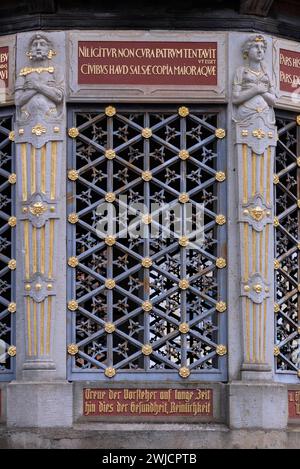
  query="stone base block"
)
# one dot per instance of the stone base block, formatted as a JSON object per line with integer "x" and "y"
{"x": 257, "y": 405}
{"x": 148, "y": 436}
{"x": 37, "y": 404}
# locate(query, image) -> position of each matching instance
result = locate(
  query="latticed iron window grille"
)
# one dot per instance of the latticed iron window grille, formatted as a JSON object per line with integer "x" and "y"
{"x": 147, "y": 243}
{"x": 7, "y": 249}
{"x": 287, "y": 248}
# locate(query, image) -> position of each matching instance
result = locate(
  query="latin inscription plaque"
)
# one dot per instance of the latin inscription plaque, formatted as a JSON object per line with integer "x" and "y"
{"x": 289, "y": 70}
{"x": 147, "y": 63}
{"x": 4, "y": 67}
{"x": 147, "y": 402}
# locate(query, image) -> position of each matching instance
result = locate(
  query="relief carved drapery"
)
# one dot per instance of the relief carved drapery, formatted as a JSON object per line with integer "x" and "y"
{"x": 256, "y": 136}
{"x": 38, "y": 135}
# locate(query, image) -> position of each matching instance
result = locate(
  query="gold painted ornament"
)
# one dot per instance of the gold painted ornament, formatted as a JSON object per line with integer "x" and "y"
{"x": 110, "y": 240}
{"x": 12, "y": 265}
{"x": 184, "y": 372}
{"x": 146, "y": 132}
{"x": 72, "y": 305}
{"x": 220, "y": 133}
{"x": 147, "y": 306}
{"x": 184, "y": 328}
{"x": 110, "y": 154}
{"x": 12, "y": 351}
{"x": 147, "y": 219}
{"x": 184, "y": 198}
{"x": 109, "y": 328}
{"x": 221, "y": 350}
{"x": 276, "y": 264}
{"x": 110, "y": 283}
{"x": 72, "y": 349}
{"x": 73, "y": 218}
{"x": 257, "y": 288}
{"x": 110, "y": 111}
{"x": 110, "y": 197}
{"x": 73, "y": 261}
{"x": 38, "y": 209}
{"x": 258, "y": 133}
{"x": 147, "y": 349}
{"x": 12, "y": 221}
{"x": 183, "y": 155}
{"x": 146, "y": 262}
{"x": 221, "y": 263}
{"x": 220, "y": 176}
{"x": 73, "y": 132}
{"x": 73, "y": 175}
{"x": 39, "y": 130}
{"x": 276, "y": 351}
{"x": 12, "y": 307}
{"x": 183, "y": 241}
{"x": 183, "y": 111}
{"x": 221, "y": 306}
{"x": 257, "y": 213}
{"x": 183, "y": 284}
{"x": 110, "y": 372}
{"x": 276, "y": 222}
{"x": 12, "y": 178}
{"x": 146, "y": 176}
{"x": 276, "y": 308}
{"x": 220, "y": 219}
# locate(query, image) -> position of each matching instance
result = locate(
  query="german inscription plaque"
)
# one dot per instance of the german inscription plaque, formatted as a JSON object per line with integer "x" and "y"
{"x": 294, "y": 404}
{"x": 148, "y": 402}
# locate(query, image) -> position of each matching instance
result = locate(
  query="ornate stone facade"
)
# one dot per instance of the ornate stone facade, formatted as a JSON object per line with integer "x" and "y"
{"x": 49, "y": 125}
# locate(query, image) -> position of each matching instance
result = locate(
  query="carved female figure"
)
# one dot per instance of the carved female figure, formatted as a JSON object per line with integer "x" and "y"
{"x": 253, "y": 92}
{"x": 38, "y": 90}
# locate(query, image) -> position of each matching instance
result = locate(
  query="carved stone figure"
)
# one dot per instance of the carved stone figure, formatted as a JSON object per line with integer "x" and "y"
{"x": 296, "y": 353}
{"x": 39, "y": 89}
{"x": 253, "y": 92}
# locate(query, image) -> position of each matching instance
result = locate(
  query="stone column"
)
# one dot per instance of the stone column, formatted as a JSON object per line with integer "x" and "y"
{"x": 255, "y": 401}
{"x": 41, "y": 395}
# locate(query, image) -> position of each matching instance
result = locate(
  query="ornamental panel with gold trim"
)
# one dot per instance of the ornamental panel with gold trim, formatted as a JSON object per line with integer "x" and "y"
{"x": 38, "y": 134}
{"x": 39, "y": 209}
{"x": 257, "y": 135}
{"x": 256, "y": 213}
{"x": 256, "y": 289}
{"x": 39, "y": 287}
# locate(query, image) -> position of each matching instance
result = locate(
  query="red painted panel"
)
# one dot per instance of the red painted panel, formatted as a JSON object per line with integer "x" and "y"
{"x": 289, "y": 63}
{"x": 147, "y": 63}
{"x": 148, "y": 402}
{"x": 4, "y": 64}
{"x": 294, "y": 404}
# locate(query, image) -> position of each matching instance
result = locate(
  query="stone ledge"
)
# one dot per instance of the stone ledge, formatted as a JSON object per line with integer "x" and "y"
{"x": 148, "y": 436}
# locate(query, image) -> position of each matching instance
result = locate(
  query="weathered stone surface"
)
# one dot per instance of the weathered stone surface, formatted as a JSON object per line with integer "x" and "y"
{"x": 33, "y": 404}
{"x": 258, "y": 405}
{"x": 148, "y": 436}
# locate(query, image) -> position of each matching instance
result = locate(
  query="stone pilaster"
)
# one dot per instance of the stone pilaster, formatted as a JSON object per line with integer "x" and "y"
{"x": 41, "y": 165}
{"x": 255, "y": 145}
{"x": 255, "y": 400}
